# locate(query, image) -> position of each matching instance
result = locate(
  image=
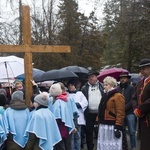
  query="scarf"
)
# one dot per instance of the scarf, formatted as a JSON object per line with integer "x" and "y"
{"x": 63, "y": 96}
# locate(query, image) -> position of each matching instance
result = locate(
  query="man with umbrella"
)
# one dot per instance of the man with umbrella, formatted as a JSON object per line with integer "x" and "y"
{"x": 130, "y": 119}
{"x": 93, "y": 91}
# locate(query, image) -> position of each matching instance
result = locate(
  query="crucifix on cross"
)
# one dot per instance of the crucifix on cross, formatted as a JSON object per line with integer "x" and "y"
{"x": 27, "y": 48}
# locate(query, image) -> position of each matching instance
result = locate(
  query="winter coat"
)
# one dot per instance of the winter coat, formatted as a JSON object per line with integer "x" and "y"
{"x": 141, "y": 100}
{"x": 33, "y": 142}
{"x": 112, "y": 109}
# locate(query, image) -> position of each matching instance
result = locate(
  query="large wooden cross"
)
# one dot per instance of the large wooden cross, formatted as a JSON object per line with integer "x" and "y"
{"x": 27, "y": 48}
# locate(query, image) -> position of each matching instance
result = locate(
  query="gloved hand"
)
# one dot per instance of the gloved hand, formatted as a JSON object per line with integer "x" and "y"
{"x": 117, "y": 133}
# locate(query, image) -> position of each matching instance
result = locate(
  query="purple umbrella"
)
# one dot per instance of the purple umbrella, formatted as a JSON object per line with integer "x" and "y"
{"x": 113, "y": 72}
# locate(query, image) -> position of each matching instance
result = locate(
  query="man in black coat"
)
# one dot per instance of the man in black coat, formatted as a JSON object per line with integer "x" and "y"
{"x": 142, "y": 110}
{"x": 130, "y": 119}
{"x": 93, "y": 91}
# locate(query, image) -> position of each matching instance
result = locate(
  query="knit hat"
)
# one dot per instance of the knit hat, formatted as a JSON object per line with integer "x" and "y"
{"x": 2, "y": 100}
{"x": 55, "y": 89}
{"x": 17, "y": 95}
{"x": 144, "y": 62}
{"x": 3, "y": 91}
{"x": 42, "y": 98}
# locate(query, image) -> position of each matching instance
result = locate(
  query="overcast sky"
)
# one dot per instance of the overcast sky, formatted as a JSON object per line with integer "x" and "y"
{"x": 85, "y": 6}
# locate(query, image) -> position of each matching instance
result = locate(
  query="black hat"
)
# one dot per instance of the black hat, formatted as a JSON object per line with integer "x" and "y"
{"x": 144, "y": 62}
{"x": 92, "y": 72}
{"x": 125, "y": 74}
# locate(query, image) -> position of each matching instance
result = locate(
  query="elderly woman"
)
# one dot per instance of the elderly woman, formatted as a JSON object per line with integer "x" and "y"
{"x": 111, "y": 116}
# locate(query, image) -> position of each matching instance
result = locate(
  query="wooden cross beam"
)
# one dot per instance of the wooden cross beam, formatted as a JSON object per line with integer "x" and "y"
{"x": 27, "y": 48}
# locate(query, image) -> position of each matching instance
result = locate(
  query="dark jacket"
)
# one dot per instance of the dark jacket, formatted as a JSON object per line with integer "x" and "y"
{"x": 85, "y": 90}
{"x": 128, "y": 91}
{"x": 142, "y": 100}
{"x": 33, "y": 143}
{"x": 112, "y": 109}
{"x": 11, "y": 145}
{"x": 136, "y": 96}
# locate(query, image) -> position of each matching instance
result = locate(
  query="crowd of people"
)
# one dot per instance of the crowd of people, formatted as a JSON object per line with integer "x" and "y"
{"x": 67, "y": 115}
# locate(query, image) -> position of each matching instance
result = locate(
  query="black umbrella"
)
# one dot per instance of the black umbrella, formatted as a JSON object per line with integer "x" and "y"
{"x": 37, "y": 77}
{"x": 58, "y": 75}
{"x": 80, "y": 71}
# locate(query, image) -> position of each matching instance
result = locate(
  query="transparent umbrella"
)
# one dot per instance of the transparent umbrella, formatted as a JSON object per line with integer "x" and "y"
{"x": 11, "y": 66}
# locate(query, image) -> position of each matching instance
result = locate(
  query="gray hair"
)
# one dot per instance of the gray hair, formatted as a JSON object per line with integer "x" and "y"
{"x": 110, "y": 80}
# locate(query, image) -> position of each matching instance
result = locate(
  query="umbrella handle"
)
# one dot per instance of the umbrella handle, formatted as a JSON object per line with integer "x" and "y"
{"x": 8, "y": 79}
